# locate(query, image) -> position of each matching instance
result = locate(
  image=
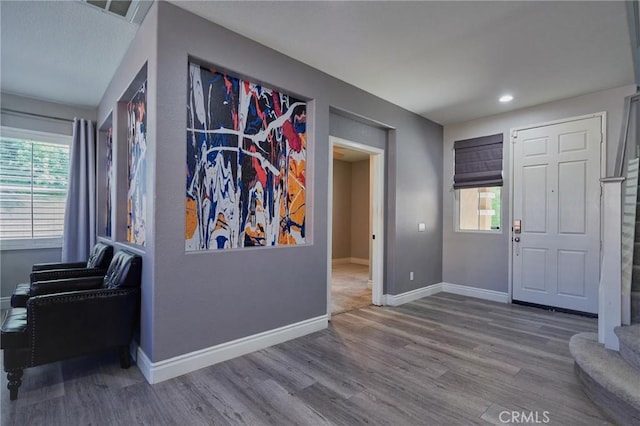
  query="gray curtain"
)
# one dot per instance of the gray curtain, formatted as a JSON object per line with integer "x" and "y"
{"x": 80, "y": 215}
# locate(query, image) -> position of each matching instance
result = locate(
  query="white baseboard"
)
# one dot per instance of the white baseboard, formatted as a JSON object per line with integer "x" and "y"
{"x": 345, "y": 260}
{"x": 5, "y": 302}
{"x": 410, "y": 296}
{"x": 156, "y": 372}
{"x": 478, "y": 293}
{"x": 145, "y": 365}
{"x": 359, "y": 261}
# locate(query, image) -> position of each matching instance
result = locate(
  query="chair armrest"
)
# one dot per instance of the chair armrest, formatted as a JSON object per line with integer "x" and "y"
{"x": 58, "y": 265}
{"x": 69, "y": 324}
{"x": 65, "y": 285}
{"x": 58, "y": 274}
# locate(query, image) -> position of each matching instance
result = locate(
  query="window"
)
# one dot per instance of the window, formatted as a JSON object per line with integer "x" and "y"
{"x": 479, "y": 209}
{"x": 478, "y": 183}
{"x": 34, "y": 169}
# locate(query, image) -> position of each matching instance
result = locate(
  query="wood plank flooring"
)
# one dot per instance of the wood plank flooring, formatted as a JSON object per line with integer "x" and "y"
{"x": 349, "y": 288}
{"x": 442, "y": 360}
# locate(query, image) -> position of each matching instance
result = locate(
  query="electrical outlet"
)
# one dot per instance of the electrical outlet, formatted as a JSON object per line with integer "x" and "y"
{"x": 411, "y": 276}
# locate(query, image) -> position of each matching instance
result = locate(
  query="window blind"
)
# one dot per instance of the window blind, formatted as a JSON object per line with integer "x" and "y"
{"x": 33, "y": 188}
{"x": 478, "y": 162}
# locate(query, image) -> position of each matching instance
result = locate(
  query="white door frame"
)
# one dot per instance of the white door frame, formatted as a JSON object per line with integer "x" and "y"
{"x": 376, "y": 156}
{"x": 603, "y": 168}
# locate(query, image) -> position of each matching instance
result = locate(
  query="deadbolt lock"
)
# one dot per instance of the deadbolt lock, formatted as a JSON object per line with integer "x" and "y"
{"x": 517, "y": 226}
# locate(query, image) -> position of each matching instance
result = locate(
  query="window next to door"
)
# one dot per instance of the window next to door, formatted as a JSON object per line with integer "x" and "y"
{"x": 478, "y": 184}
{"x": 479, "y": 209}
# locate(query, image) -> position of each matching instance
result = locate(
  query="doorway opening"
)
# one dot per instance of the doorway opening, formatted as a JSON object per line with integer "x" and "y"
{"x": 355, "y": 226}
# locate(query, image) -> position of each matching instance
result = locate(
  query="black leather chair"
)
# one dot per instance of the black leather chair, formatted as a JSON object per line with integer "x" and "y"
{"x": 72, "y": 317}
{"x": 96, "y": 265}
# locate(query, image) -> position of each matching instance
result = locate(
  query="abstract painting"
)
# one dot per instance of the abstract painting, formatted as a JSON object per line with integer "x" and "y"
{"x": 137, "y": 145}
{"x": 246, "y": 164}
{"x": 109, "y": 181}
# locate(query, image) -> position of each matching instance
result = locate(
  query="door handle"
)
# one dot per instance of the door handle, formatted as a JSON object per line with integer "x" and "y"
{"x": 516, "y": 239}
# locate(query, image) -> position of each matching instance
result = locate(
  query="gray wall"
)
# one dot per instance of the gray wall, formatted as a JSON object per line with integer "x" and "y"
{"x": 341, "y": 233}
{"x": 356, "y": 129}
{"x": 197, "y": 300}
{"x": 15, "y": 265}
{"x": 143, "y": 50}
{"x": 360, "y": 209}
{"x": 481, "y": 260}
{"x": 36, "y": 106}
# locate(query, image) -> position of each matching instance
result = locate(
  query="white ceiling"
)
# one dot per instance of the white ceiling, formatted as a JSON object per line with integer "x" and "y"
{"x": 61, "y": 51}
{"x": 448, "y": 61}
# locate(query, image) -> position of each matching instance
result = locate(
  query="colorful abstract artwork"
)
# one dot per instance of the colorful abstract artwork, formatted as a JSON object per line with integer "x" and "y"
{"x": 137, "y": 145}
{"x": 246, "y": 164}
{"x": 109, "y": 182}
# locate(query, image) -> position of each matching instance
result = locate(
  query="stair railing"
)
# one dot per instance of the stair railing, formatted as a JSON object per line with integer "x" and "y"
{"x": 629, "y": 204}
{"x": 619, "y": 216}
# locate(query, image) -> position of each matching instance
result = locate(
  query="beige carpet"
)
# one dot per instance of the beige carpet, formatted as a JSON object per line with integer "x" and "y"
{"x": 349, "y": 287}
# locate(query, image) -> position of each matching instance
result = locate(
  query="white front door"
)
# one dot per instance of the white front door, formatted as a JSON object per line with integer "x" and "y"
{"x": 556, "y": 196}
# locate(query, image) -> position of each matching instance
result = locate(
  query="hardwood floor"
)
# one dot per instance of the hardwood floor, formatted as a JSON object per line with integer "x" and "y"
{"x": 349, "y": 287}
{"x": 445, "y": 359}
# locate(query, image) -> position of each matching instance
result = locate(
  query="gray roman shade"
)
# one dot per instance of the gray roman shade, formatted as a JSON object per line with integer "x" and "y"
{"x": 478, "y": 162}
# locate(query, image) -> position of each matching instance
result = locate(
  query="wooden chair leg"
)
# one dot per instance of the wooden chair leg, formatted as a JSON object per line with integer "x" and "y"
{"x": 125, "y": 357}
{"x": 15, "y": 380}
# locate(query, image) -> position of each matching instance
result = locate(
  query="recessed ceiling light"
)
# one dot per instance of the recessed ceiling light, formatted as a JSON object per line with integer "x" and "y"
{"x": 505, "y": 98}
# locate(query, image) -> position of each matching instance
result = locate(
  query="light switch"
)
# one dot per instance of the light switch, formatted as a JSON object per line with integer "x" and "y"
{"x": 422, "y": 227}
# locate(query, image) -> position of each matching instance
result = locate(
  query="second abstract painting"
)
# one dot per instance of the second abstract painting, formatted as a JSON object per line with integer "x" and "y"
{"x": 137, "y": 168}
